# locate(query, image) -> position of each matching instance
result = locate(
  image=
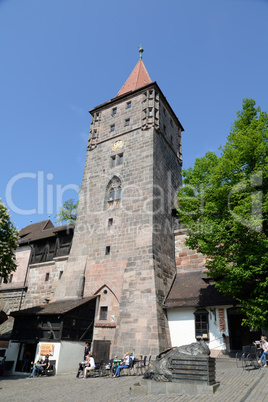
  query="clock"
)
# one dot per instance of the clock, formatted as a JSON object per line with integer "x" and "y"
{"x": 117, "y": 145}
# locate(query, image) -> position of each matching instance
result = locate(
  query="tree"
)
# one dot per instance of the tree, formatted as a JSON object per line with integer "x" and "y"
{"x": 224, "y": 205}
{"x": 68, "y": 212}
{"x": 8, "y": 244}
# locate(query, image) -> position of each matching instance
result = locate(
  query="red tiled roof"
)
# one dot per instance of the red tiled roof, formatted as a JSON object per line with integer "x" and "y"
{"x": 137, "y": 79}
{"x": 191, "y": 290}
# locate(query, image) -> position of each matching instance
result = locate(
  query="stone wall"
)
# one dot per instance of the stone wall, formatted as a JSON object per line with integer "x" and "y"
{"x": 184, "y": 256}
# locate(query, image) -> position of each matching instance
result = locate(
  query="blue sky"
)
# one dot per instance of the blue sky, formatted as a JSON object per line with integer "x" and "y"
{"x": 61, "y": 58}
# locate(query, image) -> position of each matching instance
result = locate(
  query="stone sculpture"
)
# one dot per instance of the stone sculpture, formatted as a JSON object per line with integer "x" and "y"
{"x": 160, "y": 369}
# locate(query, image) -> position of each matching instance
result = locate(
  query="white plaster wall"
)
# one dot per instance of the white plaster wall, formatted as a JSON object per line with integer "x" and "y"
{"x": 12, "y": 353}
{"x": 182, "y": 327}
{"x": 71, "y": 353}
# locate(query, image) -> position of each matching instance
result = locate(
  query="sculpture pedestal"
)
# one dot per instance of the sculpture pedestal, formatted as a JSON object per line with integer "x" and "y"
{"x": 151, "y": 387}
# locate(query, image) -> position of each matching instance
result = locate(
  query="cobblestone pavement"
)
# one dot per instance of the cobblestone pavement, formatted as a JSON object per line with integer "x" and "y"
{"x": 235, "y": 385}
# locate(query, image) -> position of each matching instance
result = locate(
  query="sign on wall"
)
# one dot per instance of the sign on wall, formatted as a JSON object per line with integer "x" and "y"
{"x": 47, "y": 349}
{"x": 222, "y": 320}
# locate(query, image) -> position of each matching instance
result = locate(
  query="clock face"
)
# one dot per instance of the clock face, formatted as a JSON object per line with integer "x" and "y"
{"x": 117, "y": 145}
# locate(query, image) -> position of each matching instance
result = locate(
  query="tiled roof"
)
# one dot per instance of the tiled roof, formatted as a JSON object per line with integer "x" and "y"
{"x": 190, "y": 289}
{"x": 41, "y": 230}
{"x": 137, "y": 79}
{"x": 60, "y": 307}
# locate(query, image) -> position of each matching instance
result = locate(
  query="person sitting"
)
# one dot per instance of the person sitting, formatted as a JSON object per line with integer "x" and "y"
{"x": 90, "y": 364}
{"x": 82, "y": 364}
{"x": 264, "y": 345}
{"x": 125, "y": 364}
{"x": 39, "y": 367}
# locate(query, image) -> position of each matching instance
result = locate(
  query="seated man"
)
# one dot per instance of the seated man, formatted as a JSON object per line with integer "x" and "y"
{"x": 90, "y": 364}
{"x": 125, "y": 364}
{"x": 39, "y": 367}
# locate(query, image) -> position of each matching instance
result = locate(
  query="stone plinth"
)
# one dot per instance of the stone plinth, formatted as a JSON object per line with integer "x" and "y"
{"x": 151, "y": 387}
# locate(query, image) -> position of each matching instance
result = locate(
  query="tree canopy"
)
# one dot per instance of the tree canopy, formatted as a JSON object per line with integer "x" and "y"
{"x": 8, "y": 244}
{"x": 224, "y": 205}
{"x": 68, "y": 212}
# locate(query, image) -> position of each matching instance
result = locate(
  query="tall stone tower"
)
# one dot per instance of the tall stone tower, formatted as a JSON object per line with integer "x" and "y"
{"x": 123, "y": 246}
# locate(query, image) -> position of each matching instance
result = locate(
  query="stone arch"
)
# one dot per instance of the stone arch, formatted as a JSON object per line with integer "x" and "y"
{"x": 113, "y": 193}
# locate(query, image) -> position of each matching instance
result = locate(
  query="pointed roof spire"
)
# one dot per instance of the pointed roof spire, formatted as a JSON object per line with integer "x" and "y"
{"x": 138, "y": 78}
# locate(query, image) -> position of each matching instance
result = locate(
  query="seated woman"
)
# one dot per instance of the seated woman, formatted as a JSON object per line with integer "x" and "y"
{"x": 90, "y": 364}
{"x": 264, "y": 345}
{"x": 125, "y": 364}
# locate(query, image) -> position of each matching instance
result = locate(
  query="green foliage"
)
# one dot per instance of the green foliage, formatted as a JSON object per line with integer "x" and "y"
{"x": 8, "y": 244}
{"x": 224, "y": 205}
{"x": 68, "y": 212}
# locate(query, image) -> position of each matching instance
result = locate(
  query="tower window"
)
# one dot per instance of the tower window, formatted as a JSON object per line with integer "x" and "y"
{"x": 113, "y": 161}
{"x": 47, "y": 276}
{"x": 150, "y": 111}
{"x": 128, "y": 105}
{"x": 95, "y": 134}
{"x": 60, "y": 274}
{"x": 10, "y": 278}
{"x": 118, "y": 193}
{"x": 120, "y": 156}
{"x": 111, "y": 195}
{"x": 107, "y": 250}
{"x": 127, "y": 122}
{"x": 151, "y": 95}
{"x": 103, "y": 313}
{"x": 112, "y": 127}
{"x": 97, "y": 116}
{"x": 110, "y": 222}
{"x": 114, "y": 111}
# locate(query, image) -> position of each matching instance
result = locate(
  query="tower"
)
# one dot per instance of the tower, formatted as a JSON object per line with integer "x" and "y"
{"x": 123, "y": 246}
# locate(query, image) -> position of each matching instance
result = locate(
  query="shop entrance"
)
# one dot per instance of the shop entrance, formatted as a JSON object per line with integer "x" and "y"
{"x": 26, "y": 355}
{"x": 240, "y": 335}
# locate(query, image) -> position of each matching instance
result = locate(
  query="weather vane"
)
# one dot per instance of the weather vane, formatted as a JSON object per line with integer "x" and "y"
{"x": 141, "y": 51}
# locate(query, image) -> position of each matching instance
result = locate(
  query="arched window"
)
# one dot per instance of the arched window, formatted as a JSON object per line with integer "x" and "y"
{"x": 111, "y": 196}
{"x": 114, "y": 192}
{"x": 118, "y": 193}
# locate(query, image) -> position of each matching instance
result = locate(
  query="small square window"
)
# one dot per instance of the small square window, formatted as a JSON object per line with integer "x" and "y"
{"x": 128, "y": 105}
{"x": 47, "y": 276}
{"x": 112, "y": 127}
{"x": 60, "y": 274}
{"x": 103, "y": 313}
{"x": 10, "y": 278}
{"x": 107, "y": 250}
{"x": 113, "y": 160}
{"x": 127, "y": 122}
{"x": 97, "y": 116}
{"x": 121, "y": 159}
{"x": 114, "y": 111}
{"x": 110, "y": 222}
